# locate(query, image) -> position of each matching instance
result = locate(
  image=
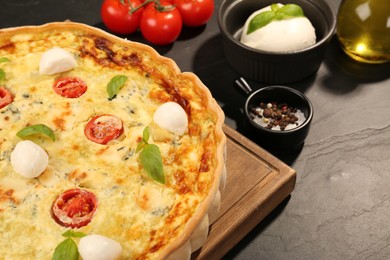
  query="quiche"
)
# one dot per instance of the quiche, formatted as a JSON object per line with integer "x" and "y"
{"x": 105, "y": 146}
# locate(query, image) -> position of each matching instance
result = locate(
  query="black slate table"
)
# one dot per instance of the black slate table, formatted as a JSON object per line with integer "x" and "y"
{"x": 341, "y": 204}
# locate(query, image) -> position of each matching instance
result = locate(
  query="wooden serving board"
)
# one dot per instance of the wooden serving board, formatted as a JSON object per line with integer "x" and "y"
{"x": 256, "y": 183}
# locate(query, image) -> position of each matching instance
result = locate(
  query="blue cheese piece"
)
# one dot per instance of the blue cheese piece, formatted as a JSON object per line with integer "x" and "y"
{"x": 56, "y": 60}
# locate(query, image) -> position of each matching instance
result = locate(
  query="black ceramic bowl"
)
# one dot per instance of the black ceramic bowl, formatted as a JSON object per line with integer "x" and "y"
{"x": 278, "y": 140}
{"x": 274, "y": 67}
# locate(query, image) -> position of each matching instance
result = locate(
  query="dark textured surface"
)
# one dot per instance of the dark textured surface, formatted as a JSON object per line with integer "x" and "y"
{"x": 341, "y": 204}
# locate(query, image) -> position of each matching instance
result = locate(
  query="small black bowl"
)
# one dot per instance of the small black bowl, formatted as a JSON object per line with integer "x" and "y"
{"x": 278, "y": 140}
{"x": 274, "y": 67}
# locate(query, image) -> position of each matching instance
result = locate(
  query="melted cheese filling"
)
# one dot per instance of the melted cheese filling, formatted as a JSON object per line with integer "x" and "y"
{"x": 140, "y": 214}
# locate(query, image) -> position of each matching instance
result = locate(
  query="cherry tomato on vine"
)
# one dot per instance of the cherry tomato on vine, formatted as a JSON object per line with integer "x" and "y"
{"x": 161, "y": 23}
{"x": 195, "y": 12}
{"x": 116, "y": 15}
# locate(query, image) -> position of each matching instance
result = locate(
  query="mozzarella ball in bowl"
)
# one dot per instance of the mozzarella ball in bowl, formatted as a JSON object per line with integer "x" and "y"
{"x": 279, "y": 35}
{"x": 279, "y": 53}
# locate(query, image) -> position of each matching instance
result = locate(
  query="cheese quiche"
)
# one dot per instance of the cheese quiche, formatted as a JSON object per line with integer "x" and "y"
{"x": 107, "y": 150}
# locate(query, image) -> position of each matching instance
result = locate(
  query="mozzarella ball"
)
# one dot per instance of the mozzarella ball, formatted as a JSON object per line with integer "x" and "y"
{"x": 279, "y": 36}
{"x": 97, "y": 247}
{"x": 29, "y": 159}
{"x": 56, "y": 60}
{"x": 172, "y": 117}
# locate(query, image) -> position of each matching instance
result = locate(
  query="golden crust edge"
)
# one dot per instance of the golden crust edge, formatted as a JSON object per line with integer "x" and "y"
{"x": 216, "y": 187}
{"x": 183, "y": 242}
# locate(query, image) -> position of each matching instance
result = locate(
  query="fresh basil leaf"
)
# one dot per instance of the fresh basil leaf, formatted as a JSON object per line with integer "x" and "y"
{"x": 146, "y": 134}
{"x": 36, "y": 129}
{"x": 150, "y": 157}
{"x": 67, "y": 249}
{"x": 115, "y": 84}
{"x": 260, "y": 20}
{"x": 4, "y": 59}
{"x": 274, "y": 7}
{"x": 289, "y": 11}
{"x": 2, "y": 74}
{"x": 145, "y": 139}
{"x": 71, "y": 233}
{"x": 151, "y": 160}
{"x": 140, "y": 146}
{"x": 276, "y": 13}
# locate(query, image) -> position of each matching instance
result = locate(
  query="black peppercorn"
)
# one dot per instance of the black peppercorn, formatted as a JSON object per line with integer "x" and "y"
{"x": 274, "y": 114}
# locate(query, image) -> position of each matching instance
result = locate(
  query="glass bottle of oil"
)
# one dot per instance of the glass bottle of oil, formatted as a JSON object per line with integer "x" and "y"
{"x": 363, "y": 29}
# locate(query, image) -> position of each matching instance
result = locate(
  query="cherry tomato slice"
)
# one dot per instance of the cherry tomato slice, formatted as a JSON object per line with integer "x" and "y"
{"x": 6, "y": 97}
{"x": 117, "y": 17}
{"x": 195, "y": 12}
{"x": 70, "y": 87}
{"x": 103, "y": 128}
{"x": 74, "y": 208}
{"x": 161, "y": 27}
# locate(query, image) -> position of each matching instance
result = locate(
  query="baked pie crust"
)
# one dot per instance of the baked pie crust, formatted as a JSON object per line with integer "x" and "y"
{"x": 149, "y": 219}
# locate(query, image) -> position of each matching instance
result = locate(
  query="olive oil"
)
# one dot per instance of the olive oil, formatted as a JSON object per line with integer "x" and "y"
{"x": 363, "y": 29}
